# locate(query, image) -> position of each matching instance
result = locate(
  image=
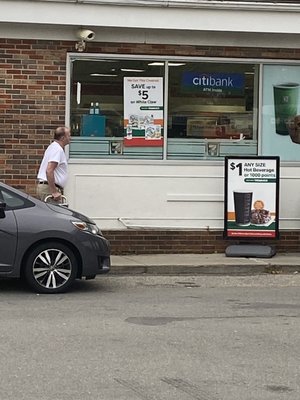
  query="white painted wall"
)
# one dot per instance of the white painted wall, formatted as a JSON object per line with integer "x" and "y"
{"x": 187, "y": 16}
{"x": 165, "y": 195}
{"x": 180, "y": 22}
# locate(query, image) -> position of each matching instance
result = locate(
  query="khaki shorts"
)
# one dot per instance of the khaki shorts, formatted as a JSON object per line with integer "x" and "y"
{"x": 42, "y": 191}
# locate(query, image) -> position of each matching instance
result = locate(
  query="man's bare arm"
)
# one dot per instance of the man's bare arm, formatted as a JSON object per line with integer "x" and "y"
{"x": 50, "y": 179}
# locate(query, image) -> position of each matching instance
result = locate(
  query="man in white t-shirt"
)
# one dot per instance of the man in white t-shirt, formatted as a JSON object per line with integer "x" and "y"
{"x": 53, "y": 174}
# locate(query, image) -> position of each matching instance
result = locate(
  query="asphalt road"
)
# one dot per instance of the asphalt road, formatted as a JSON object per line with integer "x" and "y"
{"x": 153, "y": 337}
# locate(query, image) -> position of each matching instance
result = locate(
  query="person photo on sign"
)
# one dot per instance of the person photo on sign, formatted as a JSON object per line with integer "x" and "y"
{"x": 259, "y": 215}
{"x": 52, "y": 175}
{"x": 294, "y": 129}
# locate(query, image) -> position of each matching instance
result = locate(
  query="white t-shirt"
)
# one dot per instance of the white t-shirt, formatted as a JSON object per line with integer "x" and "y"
{"x": 55, "y": 153}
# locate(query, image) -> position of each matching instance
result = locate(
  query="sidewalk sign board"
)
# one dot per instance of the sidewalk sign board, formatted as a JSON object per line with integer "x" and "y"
{"x": 251, "y": 198}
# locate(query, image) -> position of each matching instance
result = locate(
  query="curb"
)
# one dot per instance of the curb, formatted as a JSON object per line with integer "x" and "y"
{"x": 246, "y": 269}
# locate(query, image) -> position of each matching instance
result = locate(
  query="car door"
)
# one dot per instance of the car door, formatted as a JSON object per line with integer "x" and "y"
{"x": 8, "y": 237}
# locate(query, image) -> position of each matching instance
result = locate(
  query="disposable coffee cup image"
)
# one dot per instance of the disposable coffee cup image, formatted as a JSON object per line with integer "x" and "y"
{"x": 286, "y": 97}
{"x": 242, "y": 207}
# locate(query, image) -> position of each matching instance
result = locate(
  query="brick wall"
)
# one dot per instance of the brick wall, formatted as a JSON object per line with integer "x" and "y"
{"x": 199, "y": 242}
{"x": 32, "y": 105}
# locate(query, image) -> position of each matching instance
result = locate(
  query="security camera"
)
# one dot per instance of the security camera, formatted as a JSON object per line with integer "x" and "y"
{"x": 86, "y": 35}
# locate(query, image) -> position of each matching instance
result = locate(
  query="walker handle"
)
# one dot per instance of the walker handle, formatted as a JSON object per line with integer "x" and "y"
{"x": 63, "y": 198}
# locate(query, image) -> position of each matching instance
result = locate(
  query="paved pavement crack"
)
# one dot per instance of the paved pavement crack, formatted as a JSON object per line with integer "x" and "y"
{"x": 136, "y": 388}
{"x": 192, "y": 390}
{"x": 159, "y": 321}
{"x": 156, "y": 321}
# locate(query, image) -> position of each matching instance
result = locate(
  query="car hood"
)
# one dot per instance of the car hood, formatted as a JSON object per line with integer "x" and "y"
{"x": 67, "y": 211}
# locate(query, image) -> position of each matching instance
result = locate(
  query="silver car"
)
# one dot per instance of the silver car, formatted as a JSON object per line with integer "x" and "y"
{"x": 48, "y": 245}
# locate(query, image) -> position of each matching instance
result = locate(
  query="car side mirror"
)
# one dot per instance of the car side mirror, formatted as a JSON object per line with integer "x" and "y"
{"x": 2, "y": 209}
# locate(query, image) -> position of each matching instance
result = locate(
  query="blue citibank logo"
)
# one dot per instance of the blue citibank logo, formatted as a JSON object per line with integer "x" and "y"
{"x": 213, "y": 83}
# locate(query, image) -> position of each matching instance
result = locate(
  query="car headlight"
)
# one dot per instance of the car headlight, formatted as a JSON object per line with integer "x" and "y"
{"x": 84, "y": 226}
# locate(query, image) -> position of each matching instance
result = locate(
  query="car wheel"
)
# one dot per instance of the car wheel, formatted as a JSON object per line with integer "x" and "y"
{"x": 51, "y": 268}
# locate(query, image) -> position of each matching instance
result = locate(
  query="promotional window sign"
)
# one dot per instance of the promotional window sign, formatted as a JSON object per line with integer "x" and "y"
{"x": 143, "y": 111}
{"x": 281, "y": 112}
{"x": 251, "y": 197}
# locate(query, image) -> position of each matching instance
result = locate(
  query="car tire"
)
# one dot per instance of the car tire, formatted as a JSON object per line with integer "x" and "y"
{"x": 51, "y": 268}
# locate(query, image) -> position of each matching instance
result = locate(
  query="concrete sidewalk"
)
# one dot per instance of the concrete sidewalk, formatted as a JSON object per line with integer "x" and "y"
{"x": 206, "y": 264}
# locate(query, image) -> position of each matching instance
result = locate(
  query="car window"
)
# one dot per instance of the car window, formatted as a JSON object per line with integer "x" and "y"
{"x": 14, "y": 201}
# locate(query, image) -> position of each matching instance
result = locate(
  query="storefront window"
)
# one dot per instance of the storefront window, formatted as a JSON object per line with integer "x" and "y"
{"x": 102, "y": 92}
{"x": 210, "y": 107}
{"x": 119, "y": 109}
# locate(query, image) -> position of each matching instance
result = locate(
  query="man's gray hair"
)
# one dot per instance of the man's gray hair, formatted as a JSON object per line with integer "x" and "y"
{"x": 60, "y": 132}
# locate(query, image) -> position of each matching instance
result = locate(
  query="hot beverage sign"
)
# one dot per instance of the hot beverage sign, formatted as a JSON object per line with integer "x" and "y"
{"x": 251, "y": 197}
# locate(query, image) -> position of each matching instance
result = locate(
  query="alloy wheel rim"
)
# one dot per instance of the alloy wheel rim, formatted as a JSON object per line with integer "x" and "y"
{"x": 52, "y": 268}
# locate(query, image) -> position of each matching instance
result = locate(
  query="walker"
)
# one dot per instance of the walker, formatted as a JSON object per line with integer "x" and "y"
{"x": 63, "y": 202}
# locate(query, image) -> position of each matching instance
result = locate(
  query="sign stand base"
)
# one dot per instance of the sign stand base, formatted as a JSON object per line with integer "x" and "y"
{"x": 250, "y": 250}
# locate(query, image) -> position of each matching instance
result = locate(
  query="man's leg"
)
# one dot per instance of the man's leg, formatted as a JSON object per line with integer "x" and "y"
{"x": 43, "y": 191}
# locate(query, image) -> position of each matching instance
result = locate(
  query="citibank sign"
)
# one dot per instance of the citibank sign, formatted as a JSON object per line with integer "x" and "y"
{"x": 214, "y": 83}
